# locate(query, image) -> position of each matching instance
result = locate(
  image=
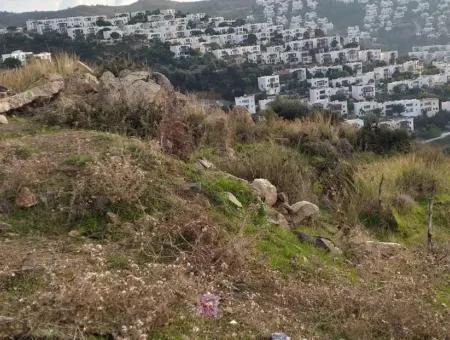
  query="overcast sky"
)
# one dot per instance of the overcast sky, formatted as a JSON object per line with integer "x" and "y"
{"x": 53, "y": 5}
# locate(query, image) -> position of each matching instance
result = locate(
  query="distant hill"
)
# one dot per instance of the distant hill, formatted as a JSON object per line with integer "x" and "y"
{"x": 227, "y": 8}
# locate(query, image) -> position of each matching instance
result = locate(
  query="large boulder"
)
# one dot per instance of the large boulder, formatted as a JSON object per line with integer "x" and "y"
{"x": 133, "y": 89}
{"x": 44, "y": 91}
{"x": 302, "y": 211}
{"x": 266, "y": 190}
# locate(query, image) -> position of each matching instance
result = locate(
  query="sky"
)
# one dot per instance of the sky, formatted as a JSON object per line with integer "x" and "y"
{"x": 53, "y": 5}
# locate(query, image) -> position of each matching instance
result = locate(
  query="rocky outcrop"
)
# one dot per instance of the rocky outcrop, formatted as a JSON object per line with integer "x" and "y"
{"x": 45, "y": 91}
{"x": 133, "y": 89}
{"x": 266, "y": 190}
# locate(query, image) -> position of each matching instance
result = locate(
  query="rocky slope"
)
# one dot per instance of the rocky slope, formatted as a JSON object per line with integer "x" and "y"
{"x": 128, "y": 210}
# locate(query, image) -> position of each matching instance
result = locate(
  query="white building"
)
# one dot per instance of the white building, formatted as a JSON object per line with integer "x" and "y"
{"x": 19, "y": 55}
{"x": 318, "y": 83}
{"x": 247, "y": 102}
{"x": 398, "y": 123}
{"x": 365, "y": 107}
{"x": 270, "y": 84}
{"x": 363, "y": 92}
{"x": 445, "y": 106}
{"x": 320, "y": 95}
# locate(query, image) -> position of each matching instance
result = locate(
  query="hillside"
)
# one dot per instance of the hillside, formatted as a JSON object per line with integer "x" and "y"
{"x": 227, "y": 8}
{"x": 128, "y": 210}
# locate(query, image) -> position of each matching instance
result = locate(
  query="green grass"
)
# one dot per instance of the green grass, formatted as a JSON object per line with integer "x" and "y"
{"x": 215, "y": 185}
{"x": 287, "y": 254}
{"x": 411, "y": 226}
{"x": 78, "y": 160}
{"x": 443, "y": 293}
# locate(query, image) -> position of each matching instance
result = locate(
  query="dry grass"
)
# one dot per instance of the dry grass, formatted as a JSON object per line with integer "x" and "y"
{"x": 23, "y": 78}
{"x": 412, "y": 174}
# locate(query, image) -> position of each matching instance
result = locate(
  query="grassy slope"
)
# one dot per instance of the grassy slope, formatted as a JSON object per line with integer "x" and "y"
{"x": 168, "y": 246}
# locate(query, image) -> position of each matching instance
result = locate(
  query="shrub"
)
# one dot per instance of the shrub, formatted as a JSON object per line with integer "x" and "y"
{"x": 384, "y": 140}
{"x": 290, "y": 108}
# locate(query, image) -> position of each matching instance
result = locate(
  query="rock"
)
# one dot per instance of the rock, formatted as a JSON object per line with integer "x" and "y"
{"x": 383, "y": 249}
{"x": 303, "y": 210}
{"x": 206, "y": 164}
{"x": 278, "y": 219}
{"x": 303, "y": 237}
{"x": 328, "y": 245}
{"x": 266, "y": 190}
{"x": 74, "y": 233}
{"x": 233, "y": 199}
{"x": 45, "y": 91}
{"x": 140, "y": 93}
{"x": 320, "y": 242}
{"x": 128, "y": 77}
{"x": 110, "y": 89}
{"x": 194, "y": 187}
{"x": 282, "y": 197}
{"x": 25, "y": 198}
{"x": 3, "y": 120}
{"x": 279, "y": 336}
{"x": 88, "y": 83}
{"x": 112, "y": 218}
{"x": 134, "y": 89}
{"x": 163, "y": 81}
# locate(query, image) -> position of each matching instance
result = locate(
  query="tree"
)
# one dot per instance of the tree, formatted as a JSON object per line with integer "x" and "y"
{"x": 397, "y": 109}
{"x": 318, "y": 33}
{"x": 103, "y": 23}
{"x": 239, "y": 22}
{"x": 11, "y": 63}
{"x": 210, "y": 31}
{"x": 251, "y": 39}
